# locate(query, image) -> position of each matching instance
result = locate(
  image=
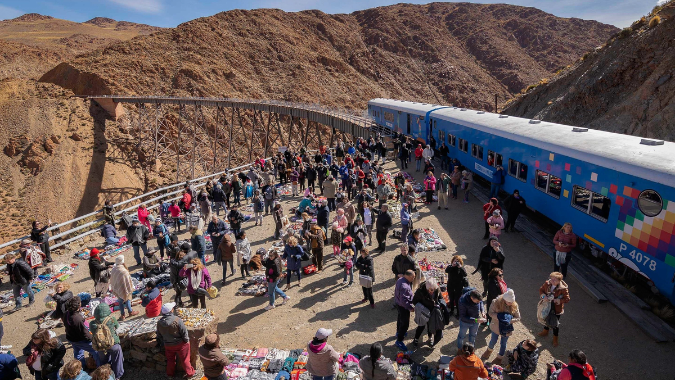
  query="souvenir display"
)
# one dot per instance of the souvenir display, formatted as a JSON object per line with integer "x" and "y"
{"x": 429, "y": 241}
{"x": 434, "y": 269}
{"x": 195, "y": 318}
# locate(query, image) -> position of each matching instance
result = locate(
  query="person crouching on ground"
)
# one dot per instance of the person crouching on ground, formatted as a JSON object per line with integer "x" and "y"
{"x": 466, "y": 365}
{"x": 212, "y": 358}
{"x": 322, "y": 359}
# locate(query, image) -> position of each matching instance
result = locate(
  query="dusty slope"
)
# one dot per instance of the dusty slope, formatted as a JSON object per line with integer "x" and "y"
{"x": 49, "y": 142}
{"x": 626, "y": 86}
{"x": 33, "y": 44}
{"x": 443, "y": 52}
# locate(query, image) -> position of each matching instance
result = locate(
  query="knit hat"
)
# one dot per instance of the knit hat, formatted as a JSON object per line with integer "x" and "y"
{"x": 93, "y": 252}
{"x": 211, "y": 339}
{"x": 358, "y": 218}
{"x": 509, "y": 296}
{"x": 496, "y": 212}
{"x": 119, "y": 260}
{"x": 348, "y": 239}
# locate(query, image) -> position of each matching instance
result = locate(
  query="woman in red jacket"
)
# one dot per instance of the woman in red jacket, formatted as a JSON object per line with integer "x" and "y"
{"x": 143, "y": 216}
{"x": 565, "y": 241}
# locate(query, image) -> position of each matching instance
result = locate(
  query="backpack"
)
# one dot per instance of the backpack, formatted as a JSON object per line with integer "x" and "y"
{"x": 164, "y": 208}
{"x": 102, "y": 339}
{"x": 269, "y": 193}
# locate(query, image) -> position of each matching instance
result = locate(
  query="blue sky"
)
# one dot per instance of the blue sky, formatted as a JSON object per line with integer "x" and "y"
{"x": 169, "y": 13}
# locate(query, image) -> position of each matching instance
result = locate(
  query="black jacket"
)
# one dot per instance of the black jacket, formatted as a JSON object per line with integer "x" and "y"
{"x": 51, "y": 360}
{"x": 38, "y": 236}
{"x": 235, "y": 218}
{"x": 322, "y": 216}
{"x": 218, "y": 194}
{"x": 384, "y": 221}
{"x": 402, "y": 264}
{"x": 20, "y": 272}
{"x": 273, "y": 268}
{"x": 96, "y": 267}
{"x": 457, "y": 277}
{"x": 61, "y": 299}
{"x": 513, "y": 205}
{"x": 485, "y": 264}
{"x": 366, "y": 266}
{"x": 493, "y": 291}
{"x": 422, "y": 296}
{"x": 75, "y": 329}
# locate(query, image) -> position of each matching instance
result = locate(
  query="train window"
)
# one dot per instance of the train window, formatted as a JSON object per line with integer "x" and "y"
{"x": 451, "y": 140}
{"x": 593, "y": 204}
{"x": 388, "y": 116}
{"x": 548, "y": 183}
{"x": 650, "y": 203}
{"x": 477, "y": 151}
{"x": 518, "y": 170}
{"x": 495, "y": 159}
{"x": 441, "y": 136}
{"x": 463, "y": 145}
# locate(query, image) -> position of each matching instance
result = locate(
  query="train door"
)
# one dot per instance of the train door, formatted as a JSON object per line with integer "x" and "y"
{"x": 408, "y": 131}
{"x": 430, "y": 131}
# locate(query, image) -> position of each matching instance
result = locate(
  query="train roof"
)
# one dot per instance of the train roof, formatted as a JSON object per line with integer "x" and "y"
{"x": 405, "y": 106}
{"x": 625, "y": 153}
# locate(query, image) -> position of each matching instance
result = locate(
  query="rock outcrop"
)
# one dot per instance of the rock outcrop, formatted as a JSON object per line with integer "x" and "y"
{"x": 626, "y": 85}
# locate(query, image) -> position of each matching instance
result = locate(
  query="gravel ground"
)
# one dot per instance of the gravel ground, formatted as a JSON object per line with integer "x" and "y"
{"x": 606, "y": 335}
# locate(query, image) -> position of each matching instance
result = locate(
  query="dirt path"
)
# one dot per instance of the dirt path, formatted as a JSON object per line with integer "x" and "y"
{"x": 613, "y": 344}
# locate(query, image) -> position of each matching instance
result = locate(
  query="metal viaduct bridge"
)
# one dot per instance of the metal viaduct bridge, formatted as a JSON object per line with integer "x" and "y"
{"x": 206, "y": 137}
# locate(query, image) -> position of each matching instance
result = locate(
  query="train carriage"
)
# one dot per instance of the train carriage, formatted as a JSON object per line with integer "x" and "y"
{"x": 617, "y": 190}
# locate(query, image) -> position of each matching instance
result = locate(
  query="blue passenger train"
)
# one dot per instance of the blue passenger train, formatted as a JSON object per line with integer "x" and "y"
{"x": 618, "y": 191}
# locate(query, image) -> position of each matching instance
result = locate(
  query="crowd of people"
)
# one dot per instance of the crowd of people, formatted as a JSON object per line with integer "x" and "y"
{"x": 345, "y": 194}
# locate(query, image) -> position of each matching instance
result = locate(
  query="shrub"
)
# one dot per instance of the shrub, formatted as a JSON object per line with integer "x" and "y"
{"x": 654, "y": 21}
{"x": 625, "y": 32}
{"x": 639, "y": 23}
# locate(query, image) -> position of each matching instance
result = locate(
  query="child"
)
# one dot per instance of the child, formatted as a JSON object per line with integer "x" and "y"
{"x": 258, "y": 207}
{"x": 243, "y": 253}
{"x": 103, "y": 372}
{"x": 496, "y": 223}
{"x": 336, "y": 238}
{"x": 349, "y": 267}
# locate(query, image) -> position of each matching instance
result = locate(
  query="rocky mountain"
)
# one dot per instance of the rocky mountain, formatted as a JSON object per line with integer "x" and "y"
{"x": 456, "y": 53}
{"x": 32, "y": 44}
{"x": 627, "y": 85}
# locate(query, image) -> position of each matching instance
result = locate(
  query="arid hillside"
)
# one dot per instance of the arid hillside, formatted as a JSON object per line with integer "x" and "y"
{"x": 456, "y": 53}
{"x": 33, "y": 44}
{"x": 626, "y": 86}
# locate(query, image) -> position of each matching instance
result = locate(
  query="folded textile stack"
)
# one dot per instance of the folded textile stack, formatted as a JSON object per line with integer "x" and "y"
{"x": 429, "y": 241}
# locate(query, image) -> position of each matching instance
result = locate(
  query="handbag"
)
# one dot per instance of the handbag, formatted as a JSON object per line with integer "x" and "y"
{"x": 365, "y": 281}
{"x": 182, "y": 284}
{"x": 201, "y": 291}
{"x": 543, "y": 309}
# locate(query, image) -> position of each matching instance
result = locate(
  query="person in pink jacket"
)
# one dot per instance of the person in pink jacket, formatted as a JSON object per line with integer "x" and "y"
{"x": 430, "y": 187}
{"x": 143, "y": 216}
{"x": 496, "y": 223}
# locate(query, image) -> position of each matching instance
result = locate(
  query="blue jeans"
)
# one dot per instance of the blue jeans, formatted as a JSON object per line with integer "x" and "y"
{"x": 202, "y": 257}
{"x": 445, "y": 162}
{"x": 494, "y": 189}
{"x": 502, "y": 344}
{"x": 115, "y": 358}
{"x": 123, "y": 305}
{"x": 289, "y": 272}
{"x": 418, "y": 164}
{"x": 273, "y": 289}
{"x": 137, "y": 254}
{"x": 111, "y": 240}
{"x": 349, "y": 272}
{"x": 17, "y": 293}
{"x": 323, "y": 377}
{"x": 472, "y": 328}
{"x": 79, "y": 349}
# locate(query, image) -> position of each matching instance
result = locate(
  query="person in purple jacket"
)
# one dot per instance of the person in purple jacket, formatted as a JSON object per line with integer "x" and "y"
{"x": 199, "y": 280}
{"x": 403, "y": 296}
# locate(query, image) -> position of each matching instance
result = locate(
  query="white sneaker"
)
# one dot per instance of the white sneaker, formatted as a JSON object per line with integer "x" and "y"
{"x": 269, "y": 307}
{"x": 286, "y": 300}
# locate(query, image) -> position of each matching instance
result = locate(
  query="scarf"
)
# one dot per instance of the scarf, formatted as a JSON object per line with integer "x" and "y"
{"x": 560, "y": 258}
{"x": 195, "y": 279}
